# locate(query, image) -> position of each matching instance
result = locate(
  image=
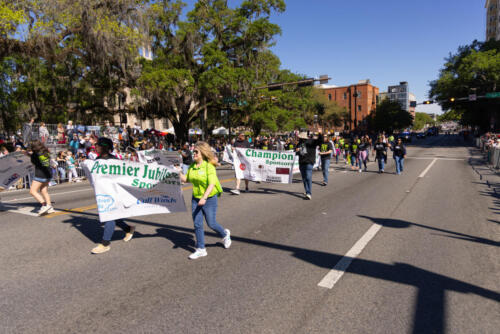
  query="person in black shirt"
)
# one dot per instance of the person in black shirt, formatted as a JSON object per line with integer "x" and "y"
{"x": 325, "y": 152}
{"x": 362, "y": 153}
{"x": 40, "y": 157}
{"x": 306, "y": 151}
{"x": 380, "y": 148}
{"x": 241, "y": 142}
{"x": 104, "y": 147}
{"x": 187, "y": 158}
{"x": 399, "y": 155}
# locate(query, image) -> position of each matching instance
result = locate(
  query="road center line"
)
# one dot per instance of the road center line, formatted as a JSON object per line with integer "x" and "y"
{"x": 340, "y": 268}
{"x": 428, "y": 167}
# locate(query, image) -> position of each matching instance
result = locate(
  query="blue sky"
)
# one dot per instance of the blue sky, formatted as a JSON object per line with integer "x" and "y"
{"x": 386, "y": 41}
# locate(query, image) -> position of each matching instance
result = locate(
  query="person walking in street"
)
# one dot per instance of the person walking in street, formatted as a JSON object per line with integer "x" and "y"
{"x": 104, "y": 147}
{"x": 206, "y": 190}
{"x": 399, "y": 154}
{"x": 325, "y": 152}
{"x": 241, "y": 142}
{"x": 40, "y": 157}
{"x": 362, "y": 154}
{"x": 187, "y": 158}
{"x": 306, "y": 151}
{"x": 380, "y": 149}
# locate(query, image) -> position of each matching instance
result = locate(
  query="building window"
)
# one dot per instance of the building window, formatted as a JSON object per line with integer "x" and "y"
{"x": 359, "y": 108}
{"x": 152, "y": 123}
{"x": 345, "y": 96}
{"x": 165, "y": 123}
{"x": 329, "y": 97}
{"x": 359, "y": 93}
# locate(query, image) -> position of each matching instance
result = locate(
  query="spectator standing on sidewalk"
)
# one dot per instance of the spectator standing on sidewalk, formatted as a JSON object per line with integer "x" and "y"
{"x": 28, "y": 131}
{"x": 325, "y": 152}
{"x": 40, "y": 157}
{"x": 399, "y": 155}
{"x": 43, "y": 133}
{"x": 71, "y": 166}
{"x": 61, "y": 136}
{"x": 241, "y": 142}
{"x": 306, "y": 151}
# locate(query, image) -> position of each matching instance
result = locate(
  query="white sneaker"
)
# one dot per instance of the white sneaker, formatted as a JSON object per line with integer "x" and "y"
{"x": 43, "y": 210}
{"x": 360, "y": 170}
{"x": 235, "y": 191}
{"x": 308, "y": 196}
{"x": 200, "y": 252}
{"x": 51, "y": 210}
{"x": 227, "y": 239}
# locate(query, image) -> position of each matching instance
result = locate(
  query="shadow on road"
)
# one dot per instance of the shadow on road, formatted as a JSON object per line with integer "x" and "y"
{"x": 430, "y": 305}
{"x": 397, "y": 223}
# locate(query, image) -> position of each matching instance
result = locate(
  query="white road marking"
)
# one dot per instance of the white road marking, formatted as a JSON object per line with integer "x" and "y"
{"x": 340, "y": 268}
{"x": 51, "y": 194}
{"x": 24, "y": 210}
{"x": 428, "y": 167}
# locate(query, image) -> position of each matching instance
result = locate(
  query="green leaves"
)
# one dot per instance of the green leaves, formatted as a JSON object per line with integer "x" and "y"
{"x": 389, "y": 116}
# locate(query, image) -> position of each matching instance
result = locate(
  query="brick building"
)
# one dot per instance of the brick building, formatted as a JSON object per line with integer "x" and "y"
{"x": 359, "y": 99}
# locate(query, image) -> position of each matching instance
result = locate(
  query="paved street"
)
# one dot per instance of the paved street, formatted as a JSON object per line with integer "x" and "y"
{"x": 371, "y": 253}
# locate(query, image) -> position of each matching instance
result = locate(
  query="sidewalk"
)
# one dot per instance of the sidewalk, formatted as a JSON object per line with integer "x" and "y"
{"x": 487, "y": 173}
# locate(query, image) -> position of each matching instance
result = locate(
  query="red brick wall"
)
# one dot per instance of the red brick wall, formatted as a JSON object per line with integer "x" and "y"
{"x": 344, "y": 96}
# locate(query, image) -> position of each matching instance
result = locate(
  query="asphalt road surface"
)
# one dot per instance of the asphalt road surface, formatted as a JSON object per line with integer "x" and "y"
{"x": 371, "y": 253}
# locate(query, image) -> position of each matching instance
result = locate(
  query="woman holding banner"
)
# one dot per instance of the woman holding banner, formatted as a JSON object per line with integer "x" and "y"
{"x": 104, "y": 147}
{"x": 206, "y": 189}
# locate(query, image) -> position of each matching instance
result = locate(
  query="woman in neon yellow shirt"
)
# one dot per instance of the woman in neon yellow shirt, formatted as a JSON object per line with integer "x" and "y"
{"x": 206, "y": 189}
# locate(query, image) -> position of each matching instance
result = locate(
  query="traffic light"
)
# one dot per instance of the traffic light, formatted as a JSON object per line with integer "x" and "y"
{"x": 452, "y": 99}
{"x": 428, "y": 102}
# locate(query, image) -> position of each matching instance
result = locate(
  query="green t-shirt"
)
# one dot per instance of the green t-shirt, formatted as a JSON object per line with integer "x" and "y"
{"x": 202, "y": 177}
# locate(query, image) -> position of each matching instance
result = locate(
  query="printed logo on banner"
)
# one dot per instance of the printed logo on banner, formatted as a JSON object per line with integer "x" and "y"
{"x": 282, "y": 171}
{"x": 156, "y": 200}
{"x": 105, "y": 203}
{"x": 242, "y": 166}
{"x": 12, "y": 178}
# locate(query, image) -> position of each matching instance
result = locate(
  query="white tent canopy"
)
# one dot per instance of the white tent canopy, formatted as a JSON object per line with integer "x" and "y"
{"x": 220, "y": 131}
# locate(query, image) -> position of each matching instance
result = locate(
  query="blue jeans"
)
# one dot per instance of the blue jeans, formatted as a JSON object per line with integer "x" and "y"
{"x": 381, "y": 163}
{"x": 185, "y": 169}
{"x": 209, "y": 210}
{"x": 109, "y": 228}
{"x": 306, "y": 171}
{"x": 325, "y": 164}
{"x": 62, "y": 173}
{"x": 399, "y": 164}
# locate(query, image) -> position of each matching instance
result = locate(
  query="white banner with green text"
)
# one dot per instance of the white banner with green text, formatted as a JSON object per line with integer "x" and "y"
{"x": 128, "y": 189}
{"x": 14, "y": 166}
{"x": 265, "y": 166}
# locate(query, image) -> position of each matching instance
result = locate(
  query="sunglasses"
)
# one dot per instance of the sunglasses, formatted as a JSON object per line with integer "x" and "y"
{"x": 196, "y": 152}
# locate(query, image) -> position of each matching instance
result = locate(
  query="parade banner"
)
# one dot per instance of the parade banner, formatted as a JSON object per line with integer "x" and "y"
{"x": 129, "y": 189}
{"x": 162, "y": 157}
{"x": 265, "y": 166}
{"x": 227, "y": 156}
{"x": 14, "y": 166}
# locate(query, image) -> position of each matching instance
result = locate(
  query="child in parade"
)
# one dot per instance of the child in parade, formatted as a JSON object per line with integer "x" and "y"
{"x": 40, "y": 157}
{"x": 206, "y": 190}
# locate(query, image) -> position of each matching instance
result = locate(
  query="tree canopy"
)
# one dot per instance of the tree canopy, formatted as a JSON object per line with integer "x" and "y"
{"x": 474, "y": 68}
{"x": 422, "y": 119}
{"x": 389, "y": 116}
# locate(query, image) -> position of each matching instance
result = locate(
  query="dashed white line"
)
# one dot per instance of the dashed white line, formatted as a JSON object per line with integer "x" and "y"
{"x": 340, "y": 268}
{"x": 428, "y": 167}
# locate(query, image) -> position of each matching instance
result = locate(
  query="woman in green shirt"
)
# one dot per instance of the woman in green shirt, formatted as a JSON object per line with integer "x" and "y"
{"x": 206, "y": 189}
